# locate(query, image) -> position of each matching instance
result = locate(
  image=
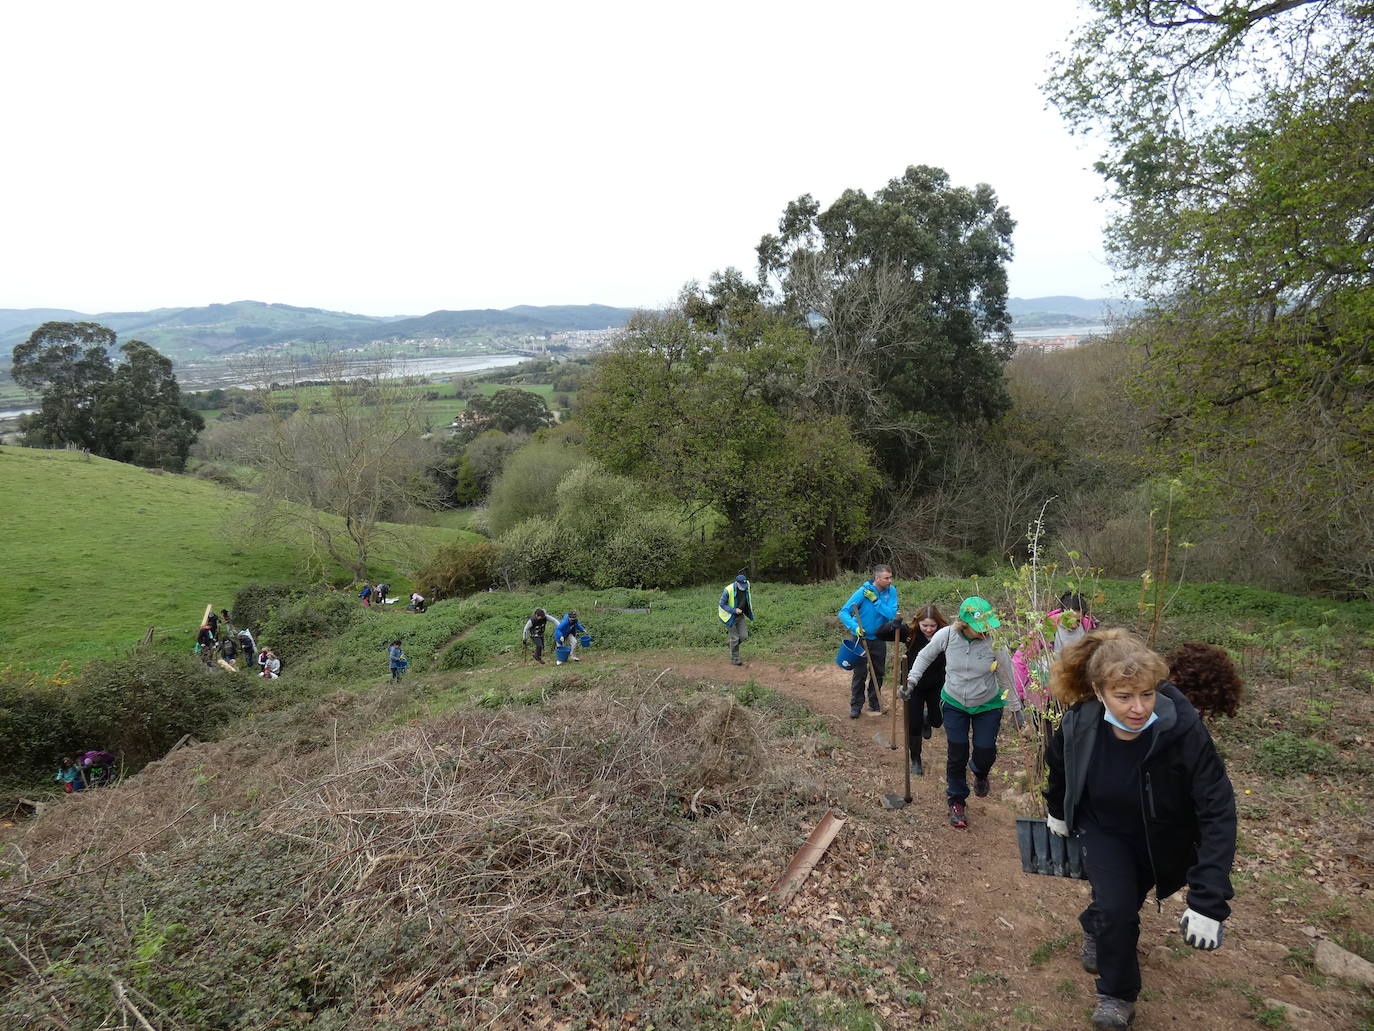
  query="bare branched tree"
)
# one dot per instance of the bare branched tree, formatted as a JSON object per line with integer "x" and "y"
{"x": 339, "y": 460}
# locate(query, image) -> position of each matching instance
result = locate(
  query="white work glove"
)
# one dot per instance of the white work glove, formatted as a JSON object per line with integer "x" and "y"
{"x": 906, "y": 690}
{"x": 1201, "y": 932}
{"x": 1057, "y": 827}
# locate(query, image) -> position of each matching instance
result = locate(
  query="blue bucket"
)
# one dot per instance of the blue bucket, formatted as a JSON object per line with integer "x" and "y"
{"x": 586, "y": 640}
{"x": 562, "y": 653}
{"x": 850, "y": 653}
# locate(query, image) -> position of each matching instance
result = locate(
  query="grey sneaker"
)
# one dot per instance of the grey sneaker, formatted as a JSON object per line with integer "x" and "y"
{"x": 1089, "y": 953}
{"x": 917, "y": 770}
{"x": 1113, "y": 1013}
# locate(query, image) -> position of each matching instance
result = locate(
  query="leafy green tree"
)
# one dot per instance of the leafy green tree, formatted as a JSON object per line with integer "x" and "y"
{"x": 132, "y": 412}
{"x": 139, "y": 416}
{"x": 906, "y": 291}
{"x": 511, "y": 409}
{"x": 721, "y": 421}
{"x": 1236, "y": 138}
{"x": 69, "y": 364}
{"x": 488, "y": 455}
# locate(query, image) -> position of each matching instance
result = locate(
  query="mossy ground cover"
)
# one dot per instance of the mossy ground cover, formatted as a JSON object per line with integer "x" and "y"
{"x": 97, "y": 552}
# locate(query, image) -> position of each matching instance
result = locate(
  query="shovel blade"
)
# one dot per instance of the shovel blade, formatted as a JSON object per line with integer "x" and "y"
{"x": 881, "y": 738}
{"x": 894, "y": 802}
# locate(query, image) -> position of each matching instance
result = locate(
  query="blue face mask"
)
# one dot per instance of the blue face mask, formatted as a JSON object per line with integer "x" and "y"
{"x": 1107, "y": 715}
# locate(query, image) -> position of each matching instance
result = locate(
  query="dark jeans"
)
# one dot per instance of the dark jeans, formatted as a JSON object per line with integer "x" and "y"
{"x": 922, "y": 710}
{"x": 858, "y": 677}
{"x": 1119, "y": 871}
{"x": 958, "y": 727}
{"x": 538, "y": 640}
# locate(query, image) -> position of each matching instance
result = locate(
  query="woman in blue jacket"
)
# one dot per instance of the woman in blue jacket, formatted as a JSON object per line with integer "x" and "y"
{"x": 1134, "y": 774}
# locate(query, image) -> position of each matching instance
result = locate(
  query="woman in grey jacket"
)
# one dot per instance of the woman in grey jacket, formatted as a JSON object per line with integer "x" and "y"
{"x": 1135, "y": 775}
{"x": 977, "y": 679}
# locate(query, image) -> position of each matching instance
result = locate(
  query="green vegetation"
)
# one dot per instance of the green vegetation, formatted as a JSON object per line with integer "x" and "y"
{"x": 131, "y": 412}
{"x": 99, "y": 551}
{"x": 1236, "y": 139}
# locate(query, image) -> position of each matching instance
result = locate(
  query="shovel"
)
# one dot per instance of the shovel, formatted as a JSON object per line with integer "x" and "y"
{"x": 880, "y": 737}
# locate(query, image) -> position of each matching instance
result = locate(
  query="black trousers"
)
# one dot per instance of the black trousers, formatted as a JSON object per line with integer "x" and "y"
{"x": 1118, "y": 867}
{"x": 538, "y": 638}
{"x": 922, "y": 710}
{"x": 858, "y": 677}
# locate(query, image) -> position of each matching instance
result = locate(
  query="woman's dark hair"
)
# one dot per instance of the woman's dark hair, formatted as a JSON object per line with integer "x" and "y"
{"x": 538, "y": 614}
{"x": 1207, "y": 677}
{"x": 1073, "y": 600}
{"x": 397, "y": 641}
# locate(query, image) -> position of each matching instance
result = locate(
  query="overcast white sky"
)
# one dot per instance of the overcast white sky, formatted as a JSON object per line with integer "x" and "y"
{"x": 403, "y": 157}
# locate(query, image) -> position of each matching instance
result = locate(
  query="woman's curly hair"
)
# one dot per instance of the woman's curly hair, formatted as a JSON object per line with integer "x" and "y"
{"x": 1207, "y": 677}
{"x": 1103, "y": 657}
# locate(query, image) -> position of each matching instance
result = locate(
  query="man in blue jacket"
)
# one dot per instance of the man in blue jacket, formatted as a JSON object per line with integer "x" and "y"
{"x": 870, "y": 614}
{"x": 566, "y": 635}
{"x": 735, "y": 612}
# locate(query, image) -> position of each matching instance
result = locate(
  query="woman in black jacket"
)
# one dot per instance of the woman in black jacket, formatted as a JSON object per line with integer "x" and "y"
{"x": 1134, "y": 773}
{"x": 923, "y": 708}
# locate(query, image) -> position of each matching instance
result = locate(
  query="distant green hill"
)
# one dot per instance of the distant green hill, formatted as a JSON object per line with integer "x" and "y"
{"x": 213, "y": 330}
{"x": 1067, "y": 311}
{"x": 97, "y": 552}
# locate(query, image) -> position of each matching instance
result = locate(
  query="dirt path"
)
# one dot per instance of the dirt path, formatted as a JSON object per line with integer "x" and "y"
{"x": 968, "y": 914}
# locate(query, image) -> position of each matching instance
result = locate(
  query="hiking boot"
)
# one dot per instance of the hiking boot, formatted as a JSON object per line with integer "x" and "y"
{"x": 736, "y": 662}
{"x": 1089, "y": 953}
{"x": 1113, "y": 1013}
{"x": 577, "y": 658}
{"x": 981, "y": 787}
{"x": 925, "y": 732}
{"x": 956, "y": 815}
{"x": 855, "y": 713}
{"x": 540, "y": 661}
{"x": 917, "y": 770}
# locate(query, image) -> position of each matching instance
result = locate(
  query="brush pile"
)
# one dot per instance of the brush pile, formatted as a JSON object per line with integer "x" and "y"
{"x": 471, "y": 868}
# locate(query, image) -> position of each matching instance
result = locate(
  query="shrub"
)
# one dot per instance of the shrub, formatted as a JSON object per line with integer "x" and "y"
{"x": 461, "y": 569}
{"x": 138, "y": 707}
{"x": 526, "y": 487}
{"x": 531, "y": 552}
{"x": 1286, "y": 753}
{"x": 35, "y": 724}
{"x": 650, "y": 549}
{"x": 295, "y": 625}
{"x": 254, "y": 601}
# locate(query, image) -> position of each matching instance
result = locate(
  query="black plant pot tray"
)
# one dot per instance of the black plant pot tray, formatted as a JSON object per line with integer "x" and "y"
{"x": 1046, "y": 853}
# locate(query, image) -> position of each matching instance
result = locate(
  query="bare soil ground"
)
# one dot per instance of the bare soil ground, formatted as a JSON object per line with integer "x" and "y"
{"x": 999, "y": 948}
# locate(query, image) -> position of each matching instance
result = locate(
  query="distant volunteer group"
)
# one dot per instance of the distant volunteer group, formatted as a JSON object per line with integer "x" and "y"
{"x": 218, "y": 643}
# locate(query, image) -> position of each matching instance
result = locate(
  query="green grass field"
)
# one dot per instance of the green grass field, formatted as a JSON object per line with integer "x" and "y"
{"x": 97, "y": 552}
{"x": 440, "y": 412}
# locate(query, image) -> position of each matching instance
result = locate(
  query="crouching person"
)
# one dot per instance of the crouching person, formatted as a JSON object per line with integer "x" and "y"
{"x": 1134, "y": 773}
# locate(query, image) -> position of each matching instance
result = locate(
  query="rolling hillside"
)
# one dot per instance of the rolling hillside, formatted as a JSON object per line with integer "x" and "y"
{"x": 98, "y": 551}
{"x": 209, "y": 331}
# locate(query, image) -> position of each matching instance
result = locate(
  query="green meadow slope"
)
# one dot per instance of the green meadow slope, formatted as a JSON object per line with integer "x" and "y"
{"x": 96, "y": 552}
